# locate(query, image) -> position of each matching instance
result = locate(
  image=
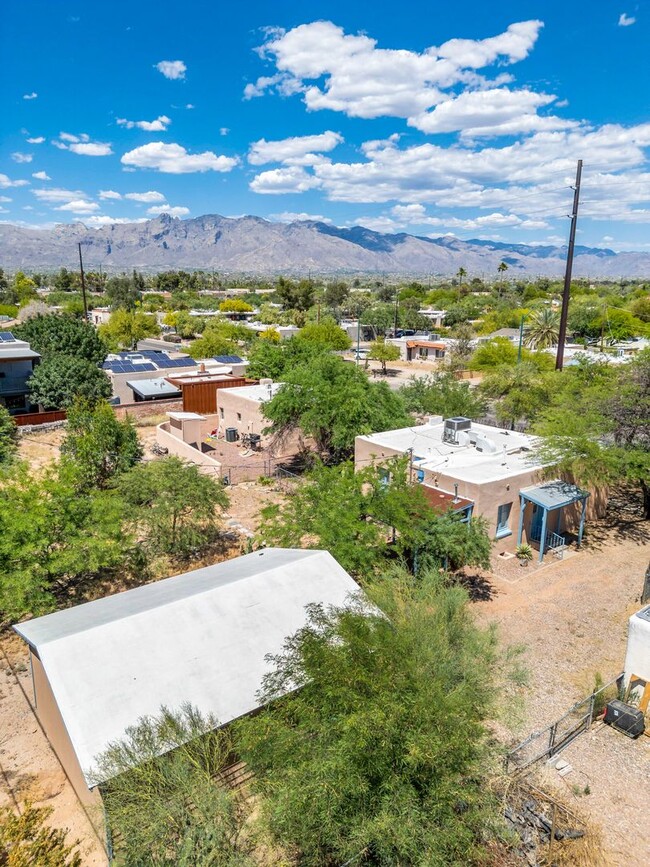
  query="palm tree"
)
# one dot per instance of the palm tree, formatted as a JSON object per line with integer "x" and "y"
{"x": 461, "y": 273}
{"x": 503, "y": 267}
{"x": 543, "y": 329}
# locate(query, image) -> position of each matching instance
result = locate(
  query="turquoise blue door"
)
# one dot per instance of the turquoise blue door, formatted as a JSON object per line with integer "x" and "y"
{"x": 536, "y": 523}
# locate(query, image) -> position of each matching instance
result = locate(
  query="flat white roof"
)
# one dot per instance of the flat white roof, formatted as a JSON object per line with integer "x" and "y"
{"x": 513, "y": 454}
{"x": 201, "y": 637}
{"x": 258, "y": 393}
{"x": 186, "y": 416}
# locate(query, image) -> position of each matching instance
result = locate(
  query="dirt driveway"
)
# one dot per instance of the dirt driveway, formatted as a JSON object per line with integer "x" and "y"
{"x": 571, "y": 616}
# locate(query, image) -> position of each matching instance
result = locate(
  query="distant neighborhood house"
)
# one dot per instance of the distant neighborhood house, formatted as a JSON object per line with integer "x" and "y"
{"x": 17, "y": 363}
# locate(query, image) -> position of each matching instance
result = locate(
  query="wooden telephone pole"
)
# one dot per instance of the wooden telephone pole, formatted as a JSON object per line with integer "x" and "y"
{"x": 83, "y": 284}
{"x": 559, "y": 358}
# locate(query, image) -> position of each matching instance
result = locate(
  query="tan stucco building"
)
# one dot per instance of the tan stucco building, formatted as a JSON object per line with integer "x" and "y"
{"x": 495, "y": 469}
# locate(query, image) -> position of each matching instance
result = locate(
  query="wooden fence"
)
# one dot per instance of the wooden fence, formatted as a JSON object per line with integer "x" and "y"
{"x": 36, "y": 418}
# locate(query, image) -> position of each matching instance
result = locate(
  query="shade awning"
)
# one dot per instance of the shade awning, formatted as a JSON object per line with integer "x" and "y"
{"x": 554, "y": 495}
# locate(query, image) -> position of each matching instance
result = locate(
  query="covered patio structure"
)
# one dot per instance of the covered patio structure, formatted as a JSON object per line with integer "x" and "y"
{"x": 549, "y": 497}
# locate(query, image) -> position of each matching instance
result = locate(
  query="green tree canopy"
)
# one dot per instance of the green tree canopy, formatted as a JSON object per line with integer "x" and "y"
{"x": 442, "y": 394}
{"x": 60, "y": 379}
{"x": 383, "y": 754}
{"x": 295, "y": 295}
{"x": 597, "y": 425}
{"x": 520, "y": 392}
{"x": 174, "y": 507}
{"x": 122, "y": 293}
{"x": 166, "y": 807}
{"x": 8, "y": 437}
{"x": 272, "y": 359}
{"x": 333, "y": 401}
{"x": 235, "y": 305}
{"x": 68, "y": 538}
{"x": 327, "y": 334}
{"x": 56, "y": 334}
{"x": 98, "y": 445}
{"x": 353, "y": 515}
{"x": 383, "y": 352}
{"x": 126, "y": 327}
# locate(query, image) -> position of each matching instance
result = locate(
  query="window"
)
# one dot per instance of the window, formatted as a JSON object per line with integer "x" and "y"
{"x": 419, "y": 475}
{"x": 503, "y": 520}
{"x": 384, "y": 476}
{"x": 238, "y": 416}
{"x": 221, "y": 414}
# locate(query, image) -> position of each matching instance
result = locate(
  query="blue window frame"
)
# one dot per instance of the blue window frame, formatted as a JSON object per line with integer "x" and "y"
{"x": 384, "y": 476}
{"x": 503, "y": 520}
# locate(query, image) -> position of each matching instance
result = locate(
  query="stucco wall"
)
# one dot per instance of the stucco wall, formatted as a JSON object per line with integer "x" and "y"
{"x": 177, "y": 447}
{"x": 487, "y": 497}
{"x": 50, "y": 718}
{"x": 239, "y": 412}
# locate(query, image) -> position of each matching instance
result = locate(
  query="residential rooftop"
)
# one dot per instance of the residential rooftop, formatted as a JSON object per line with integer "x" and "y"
{"x": 202, "y": 637}
{"x": 497, "y": 454}
{"x": 258, "y": 393}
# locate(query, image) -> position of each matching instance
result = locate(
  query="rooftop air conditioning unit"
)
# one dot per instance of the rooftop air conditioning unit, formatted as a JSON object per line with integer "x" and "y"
{"x": 486, "y": 445}
{"x": 453, "y": 427}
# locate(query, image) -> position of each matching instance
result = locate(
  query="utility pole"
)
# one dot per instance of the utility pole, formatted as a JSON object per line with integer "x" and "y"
{"x": 83, "y": 284}
{"x": 559, "y": 359}
{"x": 521, "y": 338}
{"x": 358, "y": 335}
{"x": 396, "y": 310}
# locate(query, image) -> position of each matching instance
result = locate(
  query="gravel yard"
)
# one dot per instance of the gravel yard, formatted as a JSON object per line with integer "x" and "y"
{"x": 571, "y": 615}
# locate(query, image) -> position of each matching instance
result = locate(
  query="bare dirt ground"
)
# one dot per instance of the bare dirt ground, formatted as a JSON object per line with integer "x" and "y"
{"x": 571, "y": 615}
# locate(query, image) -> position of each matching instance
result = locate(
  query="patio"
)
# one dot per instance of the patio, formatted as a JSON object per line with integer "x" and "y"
{"x": 544, "y": 498}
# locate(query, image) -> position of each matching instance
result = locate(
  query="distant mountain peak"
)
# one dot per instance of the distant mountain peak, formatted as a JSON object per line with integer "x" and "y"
{"x": 251, "y": 244}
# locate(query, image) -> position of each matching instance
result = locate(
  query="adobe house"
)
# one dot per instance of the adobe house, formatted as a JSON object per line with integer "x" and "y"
{"x": 202, "y": 637}
{"x": 496, "y": 472}
{"x": 242, "y": 408}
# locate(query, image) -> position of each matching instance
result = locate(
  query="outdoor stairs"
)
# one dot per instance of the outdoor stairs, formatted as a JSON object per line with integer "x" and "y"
{"x": 555, "y": 542}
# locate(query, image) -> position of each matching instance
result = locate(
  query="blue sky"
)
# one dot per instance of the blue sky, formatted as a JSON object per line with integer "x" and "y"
{"x": 425, "y": 117}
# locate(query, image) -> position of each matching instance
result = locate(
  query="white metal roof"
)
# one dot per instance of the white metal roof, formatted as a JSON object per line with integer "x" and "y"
{"x": 201, "y": 637}
{"x": 258, "y": 393}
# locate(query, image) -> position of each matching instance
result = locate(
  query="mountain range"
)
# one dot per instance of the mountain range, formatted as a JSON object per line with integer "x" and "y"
{"x": 255, "y": 246}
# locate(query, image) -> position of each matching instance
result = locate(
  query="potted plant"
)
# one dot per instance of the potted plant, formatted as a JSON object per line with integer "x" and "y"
{"x": 524, "y": 553}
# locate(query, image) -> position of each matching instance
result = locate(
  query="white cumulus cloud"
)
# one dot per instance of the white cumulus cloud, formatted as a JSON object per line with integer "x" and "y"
{"x": 58, "y": 194}
{"x": 98, "y": 220}
{"x": 109, "y": 194}
{"x": 79, "y": 206}
{"x": 293, "y": 217}
{"x": 32, "y": 95}
{"x": 41, "y": 176}
{"x": 150, "y": 196}
{"x": 39, "y": 139}
{"x": 19, "y": 157}
{"x": 626, "y": 20}
{"x": 174, "y": 159}
{"x": 178, "y": 211}
{"x": 363, "y": 80}
{"x": 6, "y": 181}
{"x": 160, "y": 124}
{"x": 293, "y": 179}
{"x": 173, "y": 69}
{"x": 82, "y": 144}
{"x": 293, "y": 150}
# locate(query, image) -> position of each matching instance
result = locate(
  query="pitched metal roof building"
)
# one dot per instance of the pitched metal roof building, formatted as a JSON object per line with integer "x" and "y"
{"x": 201, "y": 638}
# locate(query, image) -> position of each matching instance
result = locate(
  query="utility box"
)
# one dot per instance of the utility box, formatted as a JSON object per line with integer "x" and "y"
{"x": 231, "y": 434}
{"x": 625, "y": 718}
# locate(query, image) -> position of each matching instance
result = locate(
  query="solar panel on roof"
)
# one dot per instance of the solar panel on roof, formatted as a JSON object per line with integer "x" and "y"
{"x": 7, "y": 337}
{"x": 228, "y": 359}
